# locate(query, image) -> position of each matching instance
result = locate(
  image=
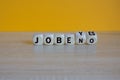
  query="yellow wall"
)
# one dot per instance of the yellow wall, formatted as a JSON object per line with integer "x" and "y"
{"x": 59, "y": 15}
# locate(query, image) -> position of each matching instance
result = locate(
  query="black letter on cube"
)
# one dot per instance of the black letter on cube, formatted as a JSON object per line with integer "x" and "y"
{"x": 59, "y": 39}
{"x": 36, "y": 40}
{"x": 48, "y": 40}
{"x": 68, "y": 39}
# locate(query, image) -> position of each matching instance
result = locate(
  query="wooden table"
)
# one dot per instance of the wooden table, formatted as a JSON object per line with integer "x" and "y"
{"x": 21, "y": 60}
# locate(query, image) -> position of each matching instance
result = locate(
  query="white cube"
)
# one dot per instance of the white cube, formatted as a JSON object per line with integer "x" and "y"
{"x": 59, "y": 39}
{"x": 91, "y": 37}
{"x": 69, "y": 39}
{"x": 38, "y": 39}
{"x": 49, "y": 39}
{"x": 80, "y": 37}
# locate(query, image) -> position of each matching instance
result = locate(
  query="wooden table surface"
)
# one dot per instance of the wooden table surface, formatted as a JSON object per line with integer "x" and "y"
{"x": 21, "y": 60}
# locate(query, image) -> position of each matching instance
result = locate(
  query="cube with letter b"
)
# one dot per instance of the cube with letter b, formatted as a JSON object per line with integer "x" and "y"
{"x": 59, "y": 39}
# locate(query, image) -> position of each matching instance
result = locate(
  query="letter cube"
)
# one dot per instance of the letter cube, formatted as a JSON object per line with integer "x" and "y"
{"x": 80, "y": 37}
{"x": 91, "y": 37}
{"x": 38, "y": 39}
{"x": 59, "y": 39}
{"x": 49, "y": 39}
{"x": 69, "y": 39}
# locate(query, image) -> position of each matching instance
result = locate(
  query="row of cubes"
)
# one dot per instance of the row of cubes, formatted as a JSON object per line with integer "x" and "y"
{"x": 89, "y": 37}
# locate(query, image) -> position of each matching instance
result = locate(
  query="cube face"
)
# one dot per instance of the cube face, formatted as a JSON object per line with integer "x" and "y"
{"x": 91, "y": 37}
{"x": 80, "y": 37}
{"x": 49, "y": 39}
{"x": 38, "y": 39}
{"x": 59, "y": 39}
{"x": 69, "y": 39}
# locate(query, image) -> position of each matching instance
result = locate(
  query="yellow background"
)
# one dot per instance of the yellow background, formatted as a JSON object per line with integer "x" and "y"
{"x": 59, "y": 15}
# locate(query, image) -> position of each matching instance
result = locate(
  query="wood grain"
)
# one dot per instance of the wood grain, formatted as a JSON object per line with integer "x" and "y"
{"x": 21, "y": 60}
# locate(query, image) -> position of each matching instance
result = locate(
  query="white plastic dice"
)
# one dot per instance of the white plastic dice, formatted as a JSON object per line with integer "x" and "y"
{"x": 49, "y": 39}
{"x": 91, "y": 37}
{"x": 59, "y": 39}
{"x": 38, "y": 39}
{"x": 69, "y": 39}
{"x": 80, "y": 37}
